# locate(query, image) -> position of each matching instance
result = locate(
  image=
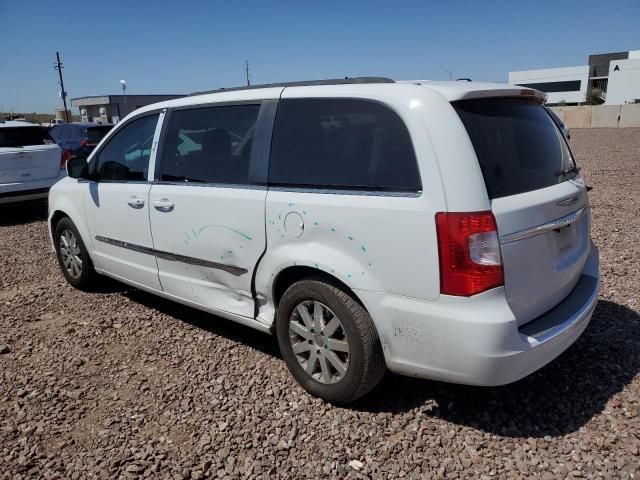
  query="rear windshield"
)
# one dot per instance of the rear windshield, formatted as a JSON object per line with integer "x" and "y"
{"x": 23, "y": 136}
{"x": 95, "y": 134}
{"x": 518, "y": 145}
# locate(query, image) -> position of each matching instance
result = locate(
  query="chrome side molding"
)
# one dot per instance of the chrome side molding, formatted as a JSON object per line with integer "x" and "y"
{"x": 547, "y": 227}
{"x": 232, "y": 269}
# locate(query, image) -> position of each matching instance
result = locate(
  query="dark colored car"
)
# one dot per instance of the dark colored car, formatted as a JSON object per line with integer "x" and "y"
{"x": 79, "y": 138}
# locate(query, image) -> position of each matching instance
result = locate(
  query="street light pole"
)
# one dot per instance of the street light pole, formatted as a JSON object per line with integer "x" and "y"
{"x": 124, "y": 92}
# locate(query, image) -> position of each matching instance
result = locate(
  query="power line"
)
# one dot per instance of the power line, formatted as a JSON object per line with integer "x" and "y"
{"x": 58, "y": 66}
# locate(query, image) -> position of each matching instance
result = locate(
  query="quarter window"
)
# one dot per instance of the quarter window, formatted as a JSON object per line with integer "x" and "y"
{"x": 342, "y": 143}
{"x": 210, "y": 145}
{"x": 126, "y": 155}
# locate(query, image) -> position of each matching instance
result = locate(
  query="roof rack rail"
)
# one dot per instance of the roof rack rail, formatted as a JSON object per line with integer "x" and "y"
{"x": 304, "y": 83}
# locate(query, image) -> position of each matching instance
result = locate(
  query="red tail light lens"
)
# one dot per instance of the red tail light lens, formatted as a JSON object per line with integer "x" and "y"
{"x": 469, "y": 250}
{"x": 64, "y": 158}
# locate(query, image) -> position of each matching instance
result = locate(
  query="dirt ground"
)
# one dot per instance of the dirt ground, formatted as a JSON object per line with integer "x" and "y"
{"x": 121, "y": 384}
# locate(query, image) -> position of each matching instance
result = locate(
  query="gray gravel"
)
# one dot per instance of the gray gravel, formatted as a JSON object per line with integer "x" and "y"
{"x": 120, "y": 384}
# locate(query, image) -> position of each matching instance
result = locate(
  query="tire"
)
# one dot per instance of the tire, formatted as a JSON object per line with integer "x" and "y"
{"x": 69, "y": 249}
{"x": 337, "y": 376}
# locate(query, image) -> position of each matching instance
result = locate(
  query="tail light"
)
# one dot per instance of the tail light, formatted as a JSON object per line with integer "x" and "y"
{"x": 469, "y": 249}
{"x": 64, "y": 158}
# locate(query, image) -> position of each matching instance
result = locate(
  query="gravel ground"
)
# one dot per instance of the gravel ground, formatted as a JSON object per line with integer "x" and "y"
{"x": 120, "y": 384}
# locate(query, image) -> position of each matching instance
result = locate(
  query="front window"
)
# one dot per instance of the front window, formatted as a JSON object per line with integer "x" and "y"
{"x": 126, "y": 155}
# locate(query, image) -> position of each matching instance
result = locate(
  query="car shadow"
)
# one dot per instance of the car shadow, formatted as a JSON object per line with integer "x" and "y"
{"x": 558, "y": 399}
{"x": 22, "y": 213}
{"x": 211, "y": 323}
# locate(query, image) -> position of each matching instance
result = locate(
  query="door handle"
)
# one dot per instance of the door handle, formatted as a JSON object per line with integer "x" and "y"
{"x": 135, "y": 202}
{"x": 163, "y": 205}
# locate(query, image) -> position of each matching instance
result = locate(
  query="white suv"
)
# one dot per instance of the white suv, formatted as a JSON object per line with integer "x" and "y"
{"x": 30, "y": 162}
{"x": 438, "y": 230}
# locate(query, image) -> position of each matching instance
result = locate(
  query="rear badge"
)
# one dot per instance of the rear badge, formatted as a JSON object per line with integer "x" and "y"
{"x": 568, "y": 201}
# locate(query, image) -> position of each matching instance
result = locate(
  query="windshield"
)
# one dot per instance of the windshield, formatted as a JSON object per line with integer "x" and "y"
{"x": 518, "y": 145}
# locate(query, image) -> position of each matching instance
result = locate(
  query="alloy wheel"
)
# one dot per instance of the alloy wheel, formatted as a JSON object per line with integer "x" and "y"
{"x": 70, "y": 253}
{"x": 319, "y": 341}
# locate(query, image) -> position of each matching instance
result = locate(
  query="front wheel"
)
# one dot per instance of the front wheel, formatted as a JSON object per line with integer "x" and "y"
{"x": 73, "y": 256}
{"x": 328, "y": 341}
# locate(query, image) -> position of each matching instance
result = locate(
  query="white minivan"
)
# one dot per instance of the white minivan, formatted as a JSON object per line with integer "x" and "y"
{"x": 30, "y": 162}
{"x": 434, "y": 229}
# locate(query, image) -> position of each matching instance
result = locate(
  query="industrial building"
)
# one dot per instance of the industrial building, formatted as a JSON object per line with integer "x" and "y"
{"x": 112, "y": 108}
{"x": 616, "y": 76}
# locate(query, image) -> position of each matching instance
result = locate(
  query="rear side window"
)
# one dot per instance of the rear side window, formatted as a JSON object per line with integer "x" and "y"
{"x": 24, "y": 136}
{"x": 518, "y": 145}
{"x": 210, "y": 145}
{"x": 342, "y": 143}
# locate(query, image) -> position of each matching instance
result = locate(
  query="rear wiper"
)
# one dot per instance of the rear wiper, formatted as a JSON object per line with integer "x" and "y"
{"x": 571, "y": 169}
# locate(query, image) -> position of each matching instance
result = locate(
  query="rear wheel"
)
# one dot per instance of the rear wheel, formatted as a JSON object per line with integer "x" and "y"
{"x": 328, "y": 341}
{"x": 73, "y": 256}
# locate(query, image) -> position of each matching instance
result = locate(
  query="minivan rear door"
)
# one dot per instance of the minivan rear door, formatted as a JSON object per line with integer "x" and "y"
{"x": 27, "y": 153}
{"x": 537, "y": 196}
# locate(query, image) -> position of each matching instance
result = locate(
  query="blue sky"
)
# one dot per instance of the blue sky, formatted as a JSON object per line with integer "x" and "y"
{"x": 185, "y": 46}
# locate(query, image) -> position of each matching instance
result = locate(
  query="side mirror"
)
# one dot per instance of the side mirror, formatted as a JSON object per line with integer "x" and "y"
{"x": 77, "y": 167}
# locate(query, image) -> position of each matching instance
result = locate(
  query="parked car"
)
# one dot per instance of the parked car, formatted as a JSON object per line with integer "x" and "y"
{"x": 79, "y": 138}
{"x": 30, "y": 162}
{"x": 437, "y": 230}
{"x": 561, "y": 125}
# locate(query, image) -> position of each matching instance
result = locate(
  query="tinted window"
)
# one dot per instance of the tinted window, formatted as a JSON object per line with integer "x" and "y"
{"x": 23, "y": 137}
{"x": 518, "y": 145}
{"x": 342, "y": 143}
{"x": 210, "y": 145}
{"x": 126, "y": 155}
{"x": 549, "y": 87}
{"x": 95, "y": 134}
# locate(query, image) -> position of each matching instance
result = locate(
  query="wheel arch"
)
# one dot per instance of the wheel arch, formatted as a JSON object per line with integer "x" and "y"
{"x": 292, "y": 274}
{"x": 55, "y": 218}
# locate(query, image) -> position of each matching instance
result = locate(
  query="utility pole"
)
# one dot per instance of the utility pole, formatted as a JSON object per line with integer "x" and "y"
{"x": 246, "y": 69}
{"x": 58, "y": 66}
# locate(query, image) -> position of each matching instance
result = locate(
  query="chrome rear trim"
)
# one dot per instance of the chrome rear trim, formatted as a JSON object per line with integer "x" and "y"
{"x": 547, "y": 227}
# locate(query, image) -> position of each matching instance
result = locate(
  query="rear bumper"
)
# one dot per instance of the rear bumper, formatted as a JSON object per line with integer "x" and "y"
{"x": 477, "y": 341}
{"x": 22, "y": 192}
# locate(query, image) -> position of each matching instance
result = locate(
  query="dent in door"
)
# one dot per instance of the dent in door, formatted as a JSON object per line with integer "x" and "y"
{"x": 201, "y": 279}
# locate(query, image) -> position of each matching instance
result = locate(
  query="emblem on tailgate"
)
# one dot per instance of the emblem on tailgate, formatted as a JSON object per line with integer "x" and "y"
{"x": 568, "y": 201}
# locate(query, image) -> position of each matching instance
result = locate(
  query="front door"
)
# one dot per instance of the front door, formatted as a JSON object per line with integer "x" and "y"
{"x": 207, "y": 215}
{"x": 117, "y": 205}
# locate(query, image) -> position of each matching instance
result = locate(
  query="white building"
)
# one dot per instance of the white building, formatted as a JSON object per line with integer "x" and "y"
{"x": 624, "y": 80}
{"x": 565, "y": 84}
{"x": 615, "y": 75}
